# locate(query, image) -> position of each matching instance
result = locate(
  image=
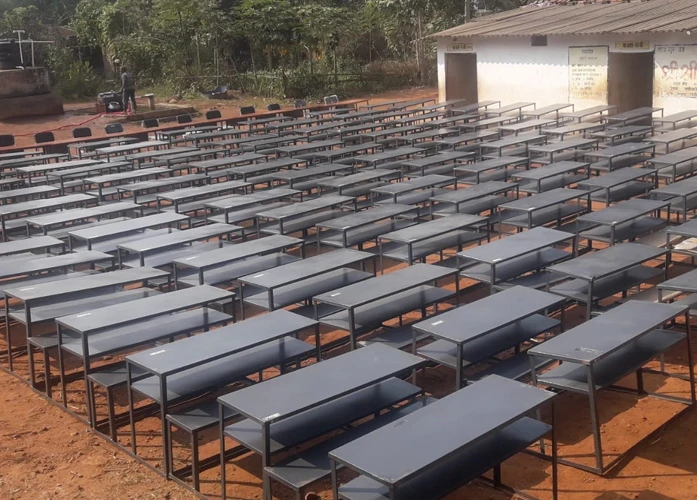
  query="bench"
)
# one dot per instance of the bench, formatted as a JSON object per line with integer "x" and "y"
{"x": 193, "y": 421}
{"x": 307, "y": 467}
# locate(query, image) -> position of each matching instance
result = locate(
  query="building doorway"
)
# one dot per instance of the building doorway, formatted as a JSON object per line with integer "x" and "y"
{"x": 461, "y": 77}
{"x": 630, "y": 80}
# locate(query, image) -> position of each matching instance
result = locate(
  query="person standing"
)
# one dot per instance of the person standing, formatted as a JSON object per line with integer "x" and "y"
{"x": 128, "y": 91}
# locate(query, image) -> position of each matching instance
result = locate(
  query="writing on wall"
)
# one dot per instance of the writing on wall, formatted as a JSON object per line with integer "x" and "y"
{"x": 588, "y": 74}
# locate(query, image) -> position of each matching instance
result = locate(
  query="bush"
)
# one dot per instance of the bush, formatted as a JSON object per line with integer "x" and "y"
{"x": 70, "y": 78}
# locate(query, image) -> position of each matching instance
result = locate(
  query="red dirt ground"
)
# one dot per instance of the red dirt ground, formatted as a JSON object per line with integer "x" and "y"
{"x": 46, "y": 453}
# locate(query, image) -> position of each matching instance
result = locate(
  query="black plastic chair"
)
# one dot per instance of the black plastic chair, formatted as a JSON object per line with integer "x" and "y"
{"x": 82, "y": 132}
{"x": 151, "y": 123}
{"x": 213, "y": 114}
{"x": 114, "y": 128}
{"x": 184, "y": 119}
{"x": 7, "y": 140}
{"x": 300, "y": 103}
{"x": 42, "y": 137}
{"x": 274, "y": 107}
{"x": 247, "y": 110}
{"x": 331, "y": 99}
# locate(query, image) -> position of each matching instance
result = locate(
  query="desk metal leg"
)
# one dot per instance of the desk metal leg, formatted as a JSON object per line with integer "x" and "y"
{"x": 555, "y": 466}
{"x": 595, "y": 420}
{"x": 221, "y": 430}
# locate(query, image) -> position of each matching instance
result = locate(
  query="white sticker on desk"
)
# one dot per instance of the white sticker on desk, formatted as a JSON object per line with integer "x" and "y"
{"x": 259, "y": 275}
{"x": 335, "y": 294}
{"x": 158, "y": 352}
{"x": 272, "y": 417}
{"x": 436, "y": 323}
{"x": 83, "y": 315}
{"x": 26, "y": 289}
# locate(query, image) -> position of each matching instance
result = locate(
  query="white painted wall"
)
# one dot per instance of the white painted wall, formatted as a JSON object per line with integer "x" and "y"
{"x": 510, "y": 69}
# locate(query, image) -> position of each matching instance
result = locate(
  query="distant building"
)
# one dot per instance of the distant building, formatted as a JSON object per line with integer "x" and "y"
{"x": 629, "y": 54}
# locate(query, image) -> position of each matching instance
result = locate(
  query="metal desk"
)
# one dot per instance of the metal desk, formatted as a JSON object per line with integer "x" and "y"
{"x": 678, "y": 163}
{"x": 634, "y": 115}
{"x": 426, "y": 182}
{"x": 513, "y": 257}
{"x": 599, "y": 353}
{"x": 429, "y": 453}
{"x": 604, "y": 273}
{"x": 524, "y": 140}
{"x": 686, "y": 193}
{"x": 630, "y": 131}
{"x": 634, "y": 151}
{"x": 621, "y": 184}
{"x": 516, "y": 106}
{"x": 594, "y": 110}
{"x": 497, "y": 166}
{"x": 552, "y": 176}
{"x": 553, "y": 148}
{"x": 277, "y": 399}
{"x": 548, "y": 207}
{"x": 46, "y": 222}
{"x": 284, "y": 215}
{"x": 376, "y": 292}
{"x": 623, "y": 221}
{"x": 668, "y": 138}
{"x": 473, "y": 199}
{"x": 674, "y": 119}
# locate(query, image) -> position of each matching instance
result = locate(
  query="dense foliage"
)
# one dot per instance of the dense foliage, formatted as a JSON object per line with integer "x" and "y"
{"x": 272, "y": 47}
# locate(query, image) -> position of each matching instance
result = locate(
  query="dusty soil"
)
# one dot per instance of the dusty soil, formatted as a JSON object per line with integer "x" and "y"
{"x": 46, "y": 453}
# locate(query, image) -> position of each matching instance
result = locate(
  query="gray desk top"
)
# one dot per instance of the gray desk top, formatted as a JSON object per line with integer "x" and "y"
{"x": 178, "y": 238}
{"x": 126, "y": 176}
{"x": 474, "y": 192}
{"x": 608, "y": 261}
{"x": 511, "y": 107}
{"x": 623, "y": 149}
{"x": 547, "y": 109}
{"x": 672, "y": 136}
{"x": 612, "y": 133}
{"x": 147, "y": 155}
{"x": 80, "y": 284}
{"x": 258, "y": 197}
{"x": 550, "y": 170}
{"x": 470, "y": 136}
{"x": 301, "y": 148}
{"x": 175, "y": 180}
{"x": 62, "y": 165}
{"x": 617, "y": 177}
{"x": 219, "y": 343}
{"x": 239, "y": 251}
{"x": 306, "y": 268}
{"x": 304, "y": 173}
{"x": 516, "y": 127}
{"x": 10, "y": 269}
{"x": 438, "y": 158}
{"x": 488, "y": 314}
{"x": 633, "y": 114}
{"x": 81, "y": 213}
{"x": 404, "y": 448}
{"x": 623, "y": 212}
{"x": 675, "y": 157}
{"x": 516, "y": 245}
{"x": 227, "y": 161}
{"x": 677, "y": 117}
{"x": 383, "y": 286}
{"x": 120, "y": 314}
{"x": 365, "y": 217}
{"x": 287, "y": 395}
{"x": 423, "y": 182}
{"x": 304, "y": 207}
{"x": 33, "y": 205}
{"x": 683, "y": 188}
{"x": 514, "y": 140}
{"x": 554, "y": 147}
{"x": 207, "y": 189}
{"x": 475, "y": 106}
{"x": 685, "y": 283}
{"x": 342, "y": 181}
{"x": 29, "y": 244}
{"x": 570, "y": 129}
{"x": 27, "y": 191}
{"x": 483, "y": 166}
{"x": 124, "y": 148}
{"x": 544, "y": 200}
{"x": 31, "y": 160}
{"x": 688, "y": 229}
{"x": 605, "y": 334}
{"x": 390, "y": 154}
{"x": 432, "y": 228}
{"x": 582, "y": 113}
{"x": 94, "y": 168}
{"x": 102, "y": 142}
{"x": 127, "y": 226}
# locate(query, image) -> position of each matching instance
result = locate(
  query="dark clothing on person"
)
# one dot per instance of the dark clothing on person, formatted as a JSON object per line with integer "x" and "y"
{"x": 128, "y": 88}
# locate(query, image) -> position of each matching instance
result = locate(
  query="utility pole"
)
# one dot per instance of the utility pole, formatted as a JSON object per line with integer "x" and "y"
{"x": 19, "y": 38}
